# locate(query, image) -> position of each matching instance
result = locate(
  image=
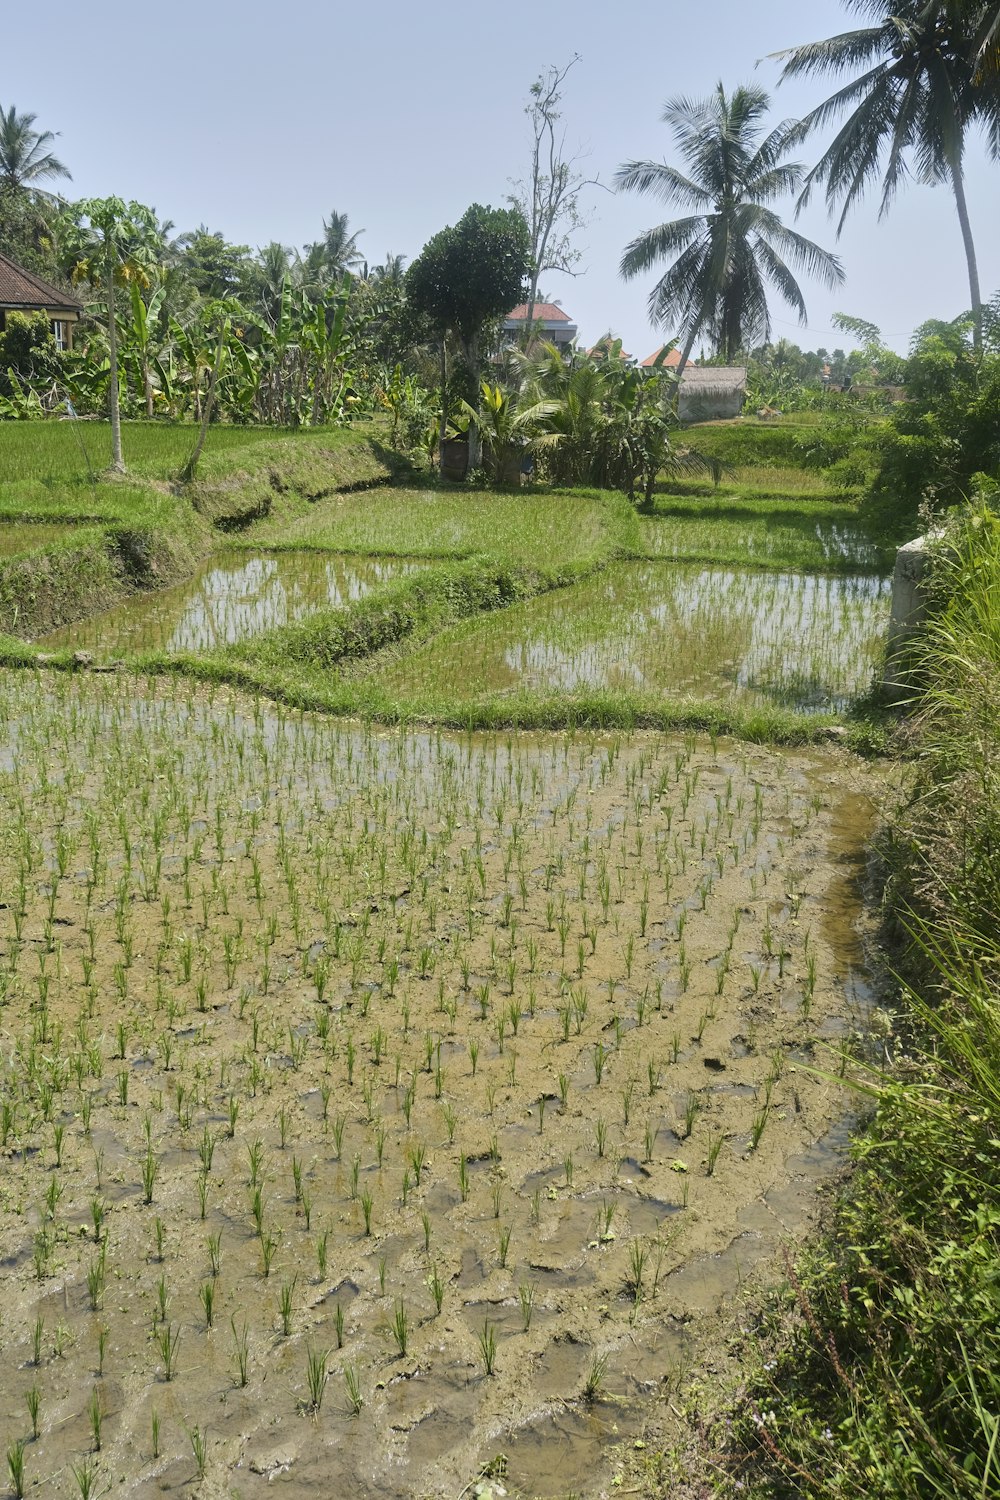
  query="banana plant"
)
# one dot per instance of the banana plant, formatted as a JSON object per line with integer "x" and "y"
{"x": 141, "y": 334}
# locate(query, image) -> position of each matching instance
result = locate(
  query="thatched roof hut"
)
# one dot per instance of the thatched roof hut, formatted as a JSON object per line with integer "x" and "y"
{"x": 711, "y": 392}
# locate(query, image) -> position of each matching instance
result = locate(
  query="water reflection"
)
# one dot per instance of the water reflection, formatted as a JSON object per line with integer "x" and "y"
{"x": 231, "y": 597}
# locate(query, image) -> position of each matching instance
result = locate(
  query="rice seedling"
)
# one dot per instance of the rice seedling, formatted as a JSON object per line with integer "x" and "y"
{"x": 352, "y": 1383}
{"x": 488, "y": 1347}
{"x": 33, "y": 1400}
{"x": 15, "y": 1466}
{"x": 399, "y": 1327}
{"x": 317, "y": 1374}
{"x": 85, "y": 1477}
{"x": 595, "y": 1377}
{"x": 167, "y": 1341}
{"x": 241, "y": 1348}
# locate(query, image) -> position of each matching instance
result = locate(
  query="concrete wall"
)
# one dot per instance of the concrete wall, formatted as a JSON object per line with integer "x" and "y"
{"x": 909, "y": 608}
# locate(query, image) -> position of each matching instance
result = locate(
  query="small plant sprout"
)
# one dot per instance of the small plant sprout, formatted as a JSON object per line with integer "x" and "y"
{"x": 488, "y": 1347}
{"x": 355, "y": 1400}
{"x": 167, "y": 1340}
{"x": 399, "y": 1327}
{"x": 595, "y": 1377}
{"x": 317, "y": 1373}
{"x": 285, "y": 1305}
{"x": 241, "y": 1346}
{"x": 33, "y": 1399}
{"x": 526, "y": 1297}
{"x": 436, "y": 1285}
{"x": 15, "y": 1467}
{"x": 206, "y": 1294}
{"x": 199, "y": 1447}
{"x": 95, "y": 1416}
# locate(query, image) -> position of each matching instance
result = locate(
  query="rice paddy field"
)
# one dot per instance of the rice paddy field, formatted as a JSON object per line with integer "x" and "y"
{"x": 377, "y": 1102}
{"x": 386, "y": 1108}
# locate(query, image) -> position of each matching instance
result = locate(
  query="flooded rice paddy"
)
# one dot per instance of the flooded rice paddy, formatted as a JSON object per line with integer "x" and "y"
{"x": 376, "y": 1103}
{"x": 807, "y": 641}
{"x": 232, "y": 597}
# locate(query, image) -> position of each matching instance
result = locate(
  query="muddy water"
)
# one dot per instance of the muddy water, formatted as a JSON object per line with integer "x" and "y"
{"x": 231, "y": 597}
{"x": 27, "y": 536}
{"x": 804, "y": 641}
{"x": 364, "y": 1014}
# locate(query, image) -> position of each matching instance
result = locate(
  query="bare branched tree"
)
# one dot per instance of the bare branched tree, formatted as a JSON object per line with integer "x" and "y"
{"x": 549, "y": 198}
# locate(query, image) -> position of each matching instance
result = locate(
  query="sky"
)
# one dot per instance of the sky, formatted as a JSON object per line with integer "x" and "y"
{"x": 258, "y": 121}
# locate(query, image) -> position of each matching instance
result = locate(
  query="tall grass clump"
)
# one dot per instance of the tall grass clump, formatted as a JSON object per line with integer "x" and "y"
{"x": 888, "y": 1381}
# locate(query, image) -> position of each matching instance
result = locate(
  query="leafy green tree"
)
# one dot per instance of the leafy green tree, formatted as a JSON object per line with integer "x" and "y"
{"x": 920, "y": 89}
{"x": 214, "y": 267}
{"x": 465, "y": 276}
{"x": 732, "y": 245}
{"x": 27, "y": 350}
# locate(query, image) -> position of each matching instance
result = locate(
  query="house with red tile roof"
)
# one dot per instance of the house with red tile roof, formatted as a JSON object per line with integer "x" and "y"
{"x": 669, "y": 362}
{"x": 23, "y": 292}
{"x": 549, "y": 323}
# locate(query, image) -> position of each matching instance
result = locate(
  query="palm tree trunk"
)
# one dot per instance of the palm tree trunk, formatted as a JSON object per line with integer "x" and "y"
{"x": 970, "y": 255}
{"x": 188, "y": 471}
{"x": 117, "y": 461}
{"x": 686, "y": 353}
{"x": 443, "y": 431}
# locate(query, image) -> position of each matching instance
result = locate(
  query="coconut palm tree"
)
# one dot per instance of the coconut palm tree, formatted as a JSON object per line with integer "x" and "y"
{"x": 331, "y": 258}
{"x": 920, "y": 84}
{"x": 25, "y": 155}
{"x": 733, "y": 246}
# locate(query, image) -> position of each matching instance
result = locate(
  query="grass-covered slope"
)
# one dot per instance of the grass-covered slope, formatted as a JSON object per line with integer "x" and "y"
{"x": 887, "y": 1379}
{"x": 145, "y": 531}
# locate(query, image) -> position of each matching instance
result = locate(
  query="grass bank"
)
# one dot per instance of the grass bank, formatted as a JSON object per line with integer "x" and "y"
{"x": 883, "y": 1359}
{"x": 144, "y": 532}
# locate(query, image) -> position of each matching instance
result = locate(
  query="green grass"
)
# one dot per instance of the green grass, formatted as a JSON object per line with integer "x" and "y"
{"x": 810, "y": 535}
{"x": 883, "y": 1365}
{"x": 51, "y": 451}
{"x": 147, "y": 533}
{"x": 506, "y": 526}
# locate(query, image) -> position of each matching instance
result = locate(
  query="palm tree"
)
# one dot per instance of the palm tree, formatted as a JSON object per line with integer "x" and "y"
{"x": 922, "y": 84}
{"x": 25, "y": 156}
{"x": 331, "y": 258}
{"x": 726, "y": 252}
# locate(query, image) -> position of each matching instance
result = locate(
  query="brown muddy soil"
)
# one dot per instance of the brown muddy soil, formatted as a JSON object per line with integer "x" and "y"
{"x": 471, "y": 1071}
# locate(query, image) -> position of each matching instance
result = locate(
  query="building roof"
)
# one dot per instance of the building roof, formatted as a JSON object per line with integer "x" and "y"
{"x": 670, "y": 362}
{"x": 545, "y": 312}
{"x": 715, "y": 377}
{"x": 20, "y": 288}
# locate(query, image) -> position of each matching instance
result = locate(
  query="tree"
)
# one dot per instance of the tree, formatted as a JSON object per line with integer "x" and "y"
{"x": 734, "y": 244}
{"x": 549, "y": 199}
{"x": 464, "y": 277}
{"x": 25, "y": 154}
{"x": 122, "y": 232}
{"x": 336, "y": 255}
{"x": 923, "y": 83}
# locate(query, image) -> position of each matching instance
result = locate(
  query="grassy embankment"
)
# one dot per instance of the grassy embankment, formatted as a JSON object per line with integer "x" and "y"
{"x": 494, "y": 550}
{"x": 142, "y": 532}
{"x": 883, "y": 1361}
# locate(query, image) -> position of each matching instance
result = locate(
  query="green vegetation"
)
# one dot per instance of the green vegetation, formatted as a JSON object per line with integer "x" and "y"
{"x": 730, "y": 245}
{"x": 130, "y": 535}
{"x": 887, "y": 1377}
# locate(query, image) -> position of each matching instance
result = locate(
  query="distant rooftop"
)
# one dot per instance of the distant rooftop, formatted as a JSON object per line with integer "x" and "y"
{"x": 21, "y": 288}
{"x": 545, "y": 312}
{"x": 670, "y": 361}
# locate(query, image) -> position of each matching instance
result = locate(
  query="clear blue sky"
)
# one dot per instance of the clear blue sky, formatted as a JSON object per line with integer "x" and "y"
{"x": 257, "y": 120}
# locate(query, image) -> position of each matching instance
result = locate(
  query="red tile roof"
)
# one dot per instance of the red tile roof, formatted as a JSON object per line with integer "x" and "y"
{"x": 21, "y": 288}
{"x": 671, "y": 362}
{"x": 545, "y": 312}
